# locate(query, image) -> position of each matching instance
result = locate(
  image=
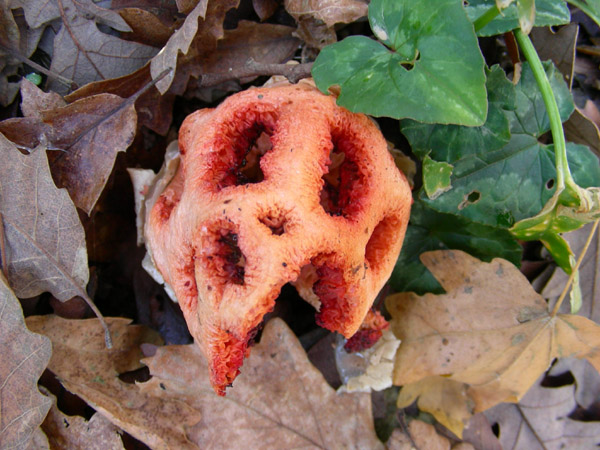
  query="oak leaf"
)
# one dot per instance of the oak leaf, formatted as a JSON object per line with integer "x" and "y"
{"x": 45, "y": 242}
{"x": 541, "y": 421}
{"x": 490, "y": 330}
{"x": 24, "y": 358}
{"x": 87, "y": 135}
{"x": 279, "y": 401}
{"x": 329, "y": 12}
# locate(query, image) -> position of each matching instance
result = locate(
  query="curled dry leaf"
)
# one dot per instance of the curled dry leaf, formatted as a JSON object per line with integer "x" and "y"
{"x": 75, "y": 433}
{"x": 88, "y": 134}
{"x": 329, "y": 12}
{"x": 45, "y": 242}
{"x": 24, "y": 358}
{"x": 491, "y": 330}
{"x": 279, "y": 401}
{"x": 83, "y": 53}
{"x": 541, "y": 421}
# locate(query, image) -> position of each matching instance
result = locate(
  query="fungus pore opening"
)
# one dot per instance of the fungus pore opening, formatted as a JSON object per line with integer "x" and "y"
{"x": 244, "y": 148}
{"x": 340, "y": 194}
{"x": 275, "y": 222}
{"x": 378, "y": 246}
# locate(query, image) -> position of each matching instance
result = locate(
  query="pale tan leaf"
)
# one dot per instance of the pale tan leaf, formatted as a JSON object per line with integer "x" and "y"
{"x": 24, "y": 358}
{"x": 491, "y": 330}
{"x": 422, "y": 436}
{"x": 34, "y": 100}
{"x": 540, "y": 421}
{"x": 37, "y": 12}
{"x": 75, "y": 433}
{"x": 329, "y": 12}
{"x": 444, "y": 399}
{"x": 83, "y": 53}
{"x": 45, "y": 242}
{"x": 280, "y": 399}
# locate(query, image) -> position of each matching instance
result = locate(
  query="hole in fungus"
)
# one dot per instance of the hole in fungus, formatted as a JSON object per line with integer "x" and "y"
{"x": 378, "y": 246}
{"x": 234, "y": 261}
{"x": 331, "y": 288}
{"x": 249, "y": 146}
{"x": 341, "y": 182}
{"x": 277, "y": 223}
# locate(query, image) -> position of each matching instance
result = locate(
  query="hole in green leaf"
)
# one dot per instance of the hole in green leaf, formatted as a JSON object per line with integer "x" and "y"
{"x": 470, "y": 199}
{"x": 550, "y": 183}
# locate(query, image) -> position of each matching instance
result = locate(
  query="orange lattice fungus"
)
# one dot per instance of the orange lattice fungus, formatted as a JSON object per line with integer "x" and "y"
{"x": 276, "y": 185}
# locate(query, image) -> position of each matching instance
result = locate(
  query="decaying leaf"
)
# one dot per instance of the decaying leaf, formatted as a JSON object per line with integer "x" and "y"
{"x": 279, "y": 401}
{"x": 75, "y": 433}
{"x": 445, "y": 399}
{"x": 34, "y": 100}
{"x": 83, "y": 53}
{"x": 589, "y": 272}
{"x": 587, "y": 379}
{"x": 329, "y": 12}
{"x": 582, "y": 127}
{"x": 419, "y": 435}
{"x": 541, "y": 421}
{"x": 24, "y": 358}
{"x": 87, "y": 135}
{"x": 45, "y": 242}
{"x": 490, "y": 330}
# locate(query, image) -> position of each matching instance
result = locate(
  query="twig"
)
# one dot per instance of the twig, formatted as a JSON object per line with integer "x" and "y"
{"x": 3, "y": 262}
{"x": 69, "y": 83}
{"x": 575, "y": 269}
{"x": 252, "y": 68}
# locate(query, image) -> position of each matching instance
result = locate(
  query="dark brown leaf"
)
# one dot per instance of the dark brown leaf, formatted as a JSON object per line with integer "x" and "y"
{"x": 88, "y": 134}
{"x": 45, "y": 243}
{"x": 265, "y": 8}
{"x": 582, "y": 127}
{"x": 24, "y": 358}
{"x": 146, "y": 27}
{"x": 558, "y": 46}
{"x": 83, "y": 53}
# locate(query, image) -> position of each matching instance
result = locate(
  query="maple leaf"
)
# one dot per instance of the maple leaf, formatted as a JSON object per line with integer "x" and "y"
{"x": 24, "y": 358}
{"x": 490, "y": 330}
{"x": 541, "y": 420}
{"x": 279, "y": 401}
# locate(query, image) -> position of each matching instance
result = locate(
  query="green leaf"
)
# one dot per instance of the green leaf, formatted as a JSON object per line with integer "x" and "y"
{"x": 548, "y": 13}
{"x": 446, "y": 142}
{"x": 436, "y": 177}
{"x": 431, "y": 230}
{"x": 526, "y": 12}
{"x": 499, "y": 186}
{"x": 427, "y": 67}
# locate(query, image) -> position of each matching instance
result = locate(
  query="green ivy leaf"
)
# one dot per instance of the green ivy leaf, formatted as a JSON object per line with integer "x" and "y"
{"x": 427, "y": 65}
{"x": 431, "y": 230}
{"x": 547, "y": 13}
{"x": 446, "y": 142}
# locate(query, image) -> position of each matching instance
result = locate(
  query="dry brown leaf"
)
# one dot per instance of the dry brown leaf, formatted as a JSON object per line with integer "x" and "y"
{"x": 445, "y": 399}
{"x": 329, "y": 12}
{"x": 83, "y": 53}
{"x": 154, "y": 110}
{"x": 582, "y": 127}
{"x": 558, "y": 46}
{"x": 180, "y": 41}
{"x": 34, "y": 100}
{"x": 589, "y": 273}
{"x": 490, "y": 330}
{"x": 88, "y": 134}
{"x": 422, "y": 436}
{"x": 480, "y": 435}
{"x": 75, "y": 433}
{"x": 45, "y": 242}
{"x": 540, "y": 421}
{"x": 265, "y": 8}
{"x": 146, "y": 27}
{"x": 587, "y": 379}
{"x": 279, "y": 399}
{"x": 24, "y": 358}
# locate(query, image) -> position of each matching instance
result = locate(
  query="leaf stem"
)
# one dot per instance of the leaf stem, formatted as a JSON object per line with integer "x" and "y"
{"x": 563, "y": 174}
{"x": 575, "y": 269}
{"x": 486, "y": 18}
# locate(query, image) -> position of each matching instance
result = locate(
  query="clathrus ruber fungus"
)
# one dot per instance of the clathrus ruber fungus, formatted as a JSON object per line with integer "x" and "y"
{"x": 276, "y": 185}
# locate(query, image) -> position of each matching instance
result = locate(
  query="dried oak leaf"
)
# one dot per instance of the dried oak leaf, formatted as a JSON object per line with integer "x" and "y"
{"x": 45, "y": 242}
{"x": 24, "y": 358}
{"x": 329, "y": 12}
{"x": 87, "y": 133}
{"x": 279, "y": 401}
{"x": 83, "y": 53}
{"x": 490, "y": 330}
{"x": 541, "y": 421}
{"x": 75, "y": 433}
{"x": 201, "y": 30}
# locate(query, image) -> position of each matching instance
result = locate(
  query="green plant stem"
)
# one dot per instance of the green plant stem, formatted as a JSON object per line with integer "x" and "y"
{"x": 563, "y": 174}
{"x": 486, "y": 18}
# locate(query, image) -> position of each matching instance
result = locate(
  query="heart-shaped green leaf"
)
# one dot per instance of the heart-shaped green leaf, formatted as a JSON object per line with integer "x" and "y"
{"x": 427, "y": 65}
{"x": 547, "y": 13}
